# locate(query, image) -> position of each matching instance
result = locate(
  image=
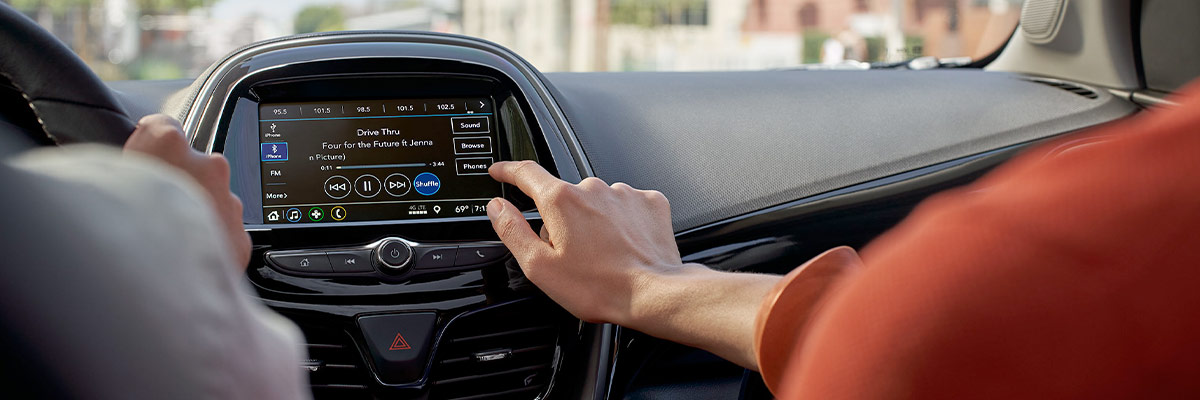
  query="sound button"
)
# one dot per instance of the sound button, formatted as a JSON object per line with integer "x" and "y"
{"x": 367, "y": 186}
{"x": 397, "y": 184}
{"x": 337, "y": 187}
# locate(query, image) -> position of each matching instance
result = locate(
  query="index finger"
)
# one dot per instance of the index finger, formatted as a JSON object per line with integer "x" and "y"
{"x": 528, "y": 176}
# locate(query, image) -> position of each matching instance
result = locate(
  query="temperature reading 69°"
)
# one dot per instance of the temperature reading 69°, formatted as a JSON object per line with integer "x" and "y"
{"x": 461, "y": 209}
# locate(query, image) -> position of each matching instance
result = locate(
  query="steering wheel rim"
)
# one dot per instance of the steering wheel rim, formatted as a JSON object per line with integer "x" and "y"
{"x": 71, "y": 103}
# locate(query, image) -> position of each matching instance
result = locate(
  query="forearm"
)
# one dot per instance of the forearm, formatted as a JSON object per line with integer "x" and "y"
{"x": 704, "y": 308}
{"x": 754, "y": 320}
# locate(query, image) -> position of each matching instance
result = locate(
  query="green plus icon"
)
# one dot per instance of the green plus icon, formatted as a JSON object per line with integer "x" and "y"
{"x": 315, "y": 214}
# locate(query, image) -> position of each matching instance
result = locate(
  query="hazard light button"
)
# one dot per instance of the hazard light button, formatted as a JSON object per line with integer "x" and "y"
{"x": 399, "y": 345}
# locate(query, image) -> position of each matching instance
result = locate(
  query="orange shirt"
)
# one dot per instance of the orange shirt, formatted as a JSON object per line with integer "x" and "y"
{"x": 1071, "y": 272}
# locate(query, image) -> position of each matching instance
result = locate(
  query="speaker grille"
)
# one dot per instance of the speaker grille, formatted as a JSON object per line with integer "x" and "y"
{"x": 1040, "y": 19}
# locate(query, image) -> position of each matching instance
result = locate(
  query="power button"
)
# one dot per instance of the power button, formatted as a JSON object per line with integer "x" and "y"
{"x": 394, "y": 254}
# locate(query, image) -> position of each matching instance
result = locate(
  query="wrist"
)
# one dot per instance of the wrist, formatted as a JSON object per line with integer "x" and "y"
{"x": 656, "y": 294}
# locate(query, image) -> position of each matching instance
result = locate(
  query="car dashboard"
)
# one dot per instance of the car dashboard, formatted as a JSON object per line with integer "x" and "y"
{"x": 361, "y": 159}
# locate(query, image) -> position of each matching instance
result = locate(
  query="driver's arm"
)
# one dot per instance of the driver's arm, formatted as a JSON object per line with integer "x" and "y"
{"x": 125, "y": 275}
{"x": 161, "y": 137}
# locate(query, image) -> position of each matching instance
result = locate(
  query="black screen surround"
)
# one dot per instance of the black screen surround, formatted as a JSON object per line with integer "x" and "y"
{"x": 377, "y": 160}
{"x": 374, "y": 126}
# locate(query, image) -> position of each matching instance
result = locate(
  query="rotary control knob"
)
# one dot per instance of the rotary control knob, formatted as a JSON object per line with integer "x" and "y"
{"x": 394, "y": 254}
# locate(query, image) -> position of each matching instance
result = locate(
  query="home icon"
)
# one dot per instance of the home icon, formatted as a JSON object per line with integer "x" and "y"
{"x": 273, "y": 216}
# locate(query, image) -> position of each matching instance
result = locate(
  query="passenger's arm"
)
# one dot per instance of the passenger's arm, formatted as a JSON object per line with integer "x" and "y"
{"x": 608, "y": 254}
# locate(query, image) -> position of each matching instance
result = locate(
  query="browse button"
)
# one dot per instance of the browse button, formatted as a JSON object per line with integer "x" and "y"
{"x": 470, "y": 124}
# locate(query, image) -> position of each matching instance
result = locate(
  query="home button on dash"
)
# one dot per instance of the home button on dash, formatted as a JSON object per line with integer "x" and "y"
{"x": 311, "y": 262}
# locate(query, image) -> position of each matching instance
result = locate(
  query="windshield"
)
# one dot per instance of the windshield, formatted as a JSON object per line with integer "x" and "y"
{"x": 168, "y": 39}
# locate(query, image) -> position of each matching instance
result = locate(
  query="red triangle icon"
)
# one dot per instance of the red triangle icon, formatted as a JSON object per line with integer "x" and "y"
{"x": 399, "y": 344}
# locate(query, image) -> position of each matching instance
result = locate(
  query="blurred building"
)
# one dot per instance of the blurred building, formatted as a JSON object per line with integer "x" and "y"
{"x": 613, "y": 35}
{"x": 693, "y": 35}
{"x": 430, "y": 15}
{"x": 889, "y": 30}
{"x": 540, "y": 30}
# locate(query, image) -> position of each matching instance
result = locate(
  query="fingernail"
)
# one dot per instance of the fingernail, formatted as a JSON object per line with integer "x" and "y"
{"x": 494, "y": 208}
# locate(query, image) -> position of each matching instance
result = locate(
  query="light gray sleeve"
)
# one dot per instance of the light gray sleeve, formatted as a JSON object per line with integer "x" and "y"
{"x": 140, "y": 297}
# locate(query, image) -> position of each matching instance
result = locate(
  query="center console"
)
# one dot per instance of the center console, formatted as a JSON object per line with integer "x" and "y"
{"x": 361, "y": 160}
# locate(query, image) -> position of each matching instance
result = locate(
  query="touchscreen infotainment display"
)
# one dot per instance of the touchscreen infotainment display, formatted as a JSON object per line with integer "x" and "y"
{"x": 373, "y": 160}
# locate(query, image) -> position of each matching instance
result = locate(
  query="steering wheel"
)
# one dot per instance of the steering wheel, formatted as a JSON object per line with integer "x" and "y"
{"x": 72, "y": 105}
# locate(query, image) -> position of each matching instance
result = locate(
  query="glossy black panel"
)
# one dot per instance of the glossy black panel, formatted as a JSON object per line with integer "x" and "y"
{"x": 237, "y": 134}
{"x": 379, "y": 65}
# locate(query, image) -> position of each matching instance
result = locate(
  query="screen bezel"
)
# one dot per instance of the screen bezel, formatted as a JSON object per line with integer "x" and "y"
{"x": 299, "y": 122}
{"x": 511, "y": 118}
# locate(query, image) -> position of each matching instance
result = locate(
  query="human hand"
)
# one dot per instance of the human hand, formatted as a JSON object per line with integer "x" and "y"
{"x": 162, "y": 137}
{"x": 598, "y": 245}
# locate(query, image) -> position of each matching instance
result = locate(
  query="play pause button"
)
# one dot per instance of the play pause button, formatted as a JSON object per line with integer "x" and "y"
{"x": 397, "y": 185}
{"x": 367, "y": 186}
{"x": 337, "y": 187}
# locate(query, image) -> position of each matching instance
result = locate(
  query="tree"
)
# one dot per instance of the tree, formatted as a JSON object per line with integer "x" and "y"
{"x": 76, "y": 17}
{"x": 320, "y": 19}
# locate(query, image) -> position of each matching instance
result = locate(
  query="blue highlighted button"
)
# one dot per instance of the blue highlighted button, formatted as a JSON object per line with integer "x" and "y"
{"x": 427, "y": 183}
{"x": 293, "y": 215}
{"x": 274, "y": 152}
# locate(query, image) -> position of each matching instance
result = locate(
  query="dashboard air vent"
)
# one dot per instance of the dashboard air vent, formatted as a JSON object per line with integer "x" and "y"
{"x": 505, "y": 352}
{"x": 336, "y": 371}
{"x": 1068, "y": 86}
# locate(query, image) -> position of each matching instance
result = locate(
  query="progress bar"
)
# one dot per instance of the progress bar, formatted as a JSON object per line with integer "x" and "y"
{"x": 409, "y": 165}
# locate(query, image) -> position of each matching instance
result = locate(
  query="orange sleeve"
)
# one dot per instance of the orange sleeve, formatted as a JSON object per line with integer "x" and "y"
{"x": 1070, "y": 272}
{"x": 792, "y": 302}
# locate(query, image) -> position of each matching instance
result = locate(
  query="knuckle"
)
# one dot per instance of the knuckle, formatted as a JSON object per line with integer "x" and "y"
{"x": 507, "y": 227}
{"x": 151, "y": 119}
{"x": 169, "y": 136}
{"x": 523, "y": 167}
{"x": 657, "y": 197}
{"x": 235, "y": 203}
{"x": 558, "y": 193}
{"x": 592, "y": 183}
{"x": 219, "y": 165}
